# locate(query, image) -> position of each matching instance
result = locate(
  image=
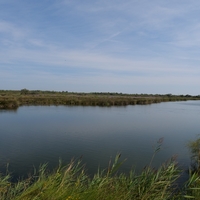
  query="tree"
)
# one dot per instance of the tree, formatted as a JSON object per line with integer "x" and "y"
{"x": 24, "y": 91}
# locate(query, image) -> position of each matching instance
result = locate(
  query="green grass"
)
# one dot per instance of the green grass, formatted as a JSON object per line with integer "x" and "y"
{"x": 71, "y": 182}
{"x": 192, "y": 186}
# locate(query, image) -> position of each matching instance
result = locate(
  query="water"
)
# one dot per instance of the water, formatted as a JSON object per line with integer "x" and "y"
{"x": 38, "y": 134}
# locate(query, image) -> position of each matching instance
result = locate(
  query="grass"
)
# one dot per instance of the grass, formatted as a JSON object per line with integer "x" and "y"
{"x": 12, "y": 99}
{"x": 71, "y": 182}
{"x": 192, "y": 187}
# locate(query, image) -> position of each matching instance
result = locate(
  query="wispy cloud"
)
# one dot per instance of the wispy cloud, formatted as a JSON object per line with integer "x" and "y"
{"x": 11, "y": 29}
{"x": 62, "y": 58}
{"x": 124, "y": 42}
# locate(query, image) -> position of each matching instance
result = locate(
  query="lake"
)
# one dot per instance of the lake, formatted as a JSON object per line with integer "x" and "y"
{"x": 39, "y": 134}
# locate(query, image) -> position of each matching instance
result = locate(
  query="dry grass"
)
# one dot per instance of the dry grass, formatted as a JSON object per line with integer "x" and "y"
{"x": 12, "y": 99}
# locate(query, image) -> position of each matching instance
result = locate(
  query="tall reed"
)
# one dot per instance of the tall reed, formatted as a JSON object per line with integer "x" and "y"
{"x": 72, "y": 182}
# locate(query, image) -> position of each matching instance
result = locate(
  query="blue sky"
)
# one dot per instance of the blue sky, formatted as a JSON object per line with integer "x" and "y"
{"x": 129, "y": 46}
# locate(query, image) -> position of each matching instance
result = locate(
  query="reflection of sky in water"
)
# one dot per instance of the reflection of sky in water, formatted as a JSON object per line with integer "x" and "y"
{"x": 39, "y": 134}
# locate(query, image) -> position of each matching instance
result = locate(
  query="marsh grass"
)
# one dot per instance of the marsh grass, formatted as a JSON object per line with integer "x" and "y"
{"x": 192, "y": 187}
{"x": 71, "y": 182}
{"x": 10, "y": 99}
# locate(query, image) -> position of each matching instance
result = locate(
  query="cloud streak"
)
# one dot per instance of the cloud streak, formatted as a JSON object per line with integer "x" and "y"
{"x": 88, "y": 43}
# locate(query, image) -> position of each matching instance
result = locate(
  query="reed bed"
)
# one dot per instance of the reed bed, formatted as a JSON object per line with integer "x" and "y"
{"x": 13, "y": 99}
{"x": 71, "y": 182}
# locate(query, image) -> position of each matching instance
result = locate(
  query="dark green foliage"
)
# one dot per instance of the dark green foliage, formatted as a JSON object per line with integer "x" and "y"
{"x": 24, "y": 91}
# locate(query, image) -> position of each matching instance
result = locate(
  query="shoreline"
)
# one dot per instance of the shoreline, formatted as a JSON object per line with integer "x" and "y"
{"x": 12, "y": 99}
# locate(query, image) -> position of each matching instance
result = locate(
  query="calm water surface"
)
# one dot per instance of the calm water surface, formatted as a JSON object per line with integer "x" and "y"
{"x": 38, "y": 134}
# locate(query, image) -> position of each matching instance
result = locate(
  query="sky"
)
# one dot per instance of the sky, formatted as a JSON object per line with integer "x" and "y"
{"x": 125, "y": 46}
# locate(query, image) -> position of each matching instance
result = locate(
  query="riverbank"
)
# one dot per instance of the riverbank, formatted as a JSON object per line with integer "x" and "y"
{"x": 12, "y": 99}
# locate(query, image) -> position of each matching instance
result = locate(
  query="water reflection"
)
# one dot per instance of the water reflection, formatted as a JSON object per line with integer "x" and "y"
{"x": 8, "y": 110}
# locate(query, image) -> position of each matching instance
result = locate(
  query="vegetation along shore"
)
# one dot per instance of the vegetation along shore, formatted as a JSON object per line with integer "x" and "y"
{"x": 12, "y": 99}
{"x": 71, "y": 182}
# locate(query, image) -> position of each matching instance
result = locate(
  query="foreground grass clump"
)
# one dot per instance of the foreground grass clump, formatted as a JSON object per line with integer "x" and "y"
{"x": 192, "y": 187}
{"x": 72, "y": 183}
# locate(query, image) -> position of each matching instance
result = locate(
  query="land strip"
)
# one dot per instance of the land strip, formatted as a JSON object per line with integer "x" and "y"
{"x": 12, "y": 99}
